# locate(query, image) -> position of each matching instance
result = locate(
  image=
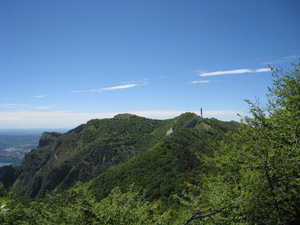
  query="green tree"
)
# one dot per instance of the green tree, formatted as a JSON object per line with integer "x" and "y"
{"x": 79, "y": 206}
{"x": 254, "y": 177}
{"x": 129, "y": 208}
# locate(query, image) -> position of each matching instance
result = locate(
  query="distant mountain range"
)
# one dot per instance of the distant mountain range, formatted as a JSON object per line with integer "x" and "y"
{"x": 156, "y": 155}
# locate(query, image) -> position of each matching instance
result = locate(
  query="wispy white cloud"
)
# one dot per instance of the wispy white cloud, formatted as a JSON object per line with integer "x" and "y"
{"x": 22, "y": 106}
{"x": 292, "y": 57}
{"x": 119, "y": 87}
{"x": 261, "y": 70}
{"x": 200, "y": 71}
{"x": 41, "y": 107}
{"x": 199, "y": 82}
{"x": 39, "y": 96}
{"x": 238, "y": 71}
{"x": 139, "y": 82}
{"x": 283, "y": 60}
{"x": 217, "y": 73}
{"x": 86, "y": 91}
{"x": 9, "y": 105}
{"x": 125, "y": 85}
{"x": 80, "y": 91}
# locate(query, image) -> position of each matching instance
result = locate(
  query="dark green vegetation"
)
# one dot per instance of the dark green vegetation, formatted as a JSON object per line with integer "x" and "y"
{"x": 98, "y": 146}
{"x": 126, "y": 170}
{"x": 89, "y": 150}
{"x": 163, "y": 169}
{"x": 254, "y": 176}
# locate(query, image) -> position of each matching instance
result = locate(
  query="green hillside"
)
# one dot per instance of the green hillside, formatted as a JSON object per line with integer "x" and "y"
{"x": 60, "y": 160}
{"x": 92, "y": 149}
{"x": 158, "y": 157}
{"x": 163, "y": 170}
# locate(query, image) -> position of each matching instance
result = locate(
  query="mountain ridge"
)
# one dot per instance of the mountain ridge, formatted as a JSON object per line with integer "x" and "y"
{"x": 97, "y": 147}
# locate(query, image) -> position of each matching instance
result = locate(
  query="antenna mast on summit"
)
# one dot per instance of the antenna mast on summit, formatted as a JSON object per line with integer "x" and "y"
{"x": 201, "y": 112}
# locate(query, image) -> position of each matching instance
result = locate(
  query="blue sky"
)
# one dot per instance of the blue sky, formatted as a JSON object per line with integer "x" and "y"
{"x": 65, "y": 62}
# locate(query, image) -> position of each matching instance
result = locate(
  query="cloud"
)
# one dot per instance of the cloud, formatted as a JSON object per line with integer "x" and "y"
{"x": 239, "y": 71}
{"x": 86, "y": 91}
{"x": 125, "y": 86}
{"x": 80, "y": 91}
{"x": 283, "y": 60}
{"x": 119, "y": 87}
{"x": 41, "y": 107}
{"x": 139, "y": 82}
{"x": 20, "y": 106}
{"x": 199, "y": 82}
{"x": 199, "y": 71}
{"x": 261, "y": 70}
{"x": 65, "y": 119}
{"x": 39, "y": 96}
{"x": 292, "y": 57}
{"x": 8, "y": 105}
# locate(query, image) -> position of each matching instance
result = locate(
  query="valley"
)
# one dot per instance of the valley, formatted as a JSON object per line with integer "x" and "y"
{"x": 13, "y": 147}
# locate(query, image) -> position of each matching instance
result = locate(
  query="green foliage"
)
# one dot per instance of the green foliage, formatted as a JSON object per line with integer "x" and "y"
{"x": 114, "y": 153}
{"x": 84, "y": 152}
{"x": 163, "y": 170}
{"x": 205, "y": 172}
{"x": 254, "y": 176}
{"x": 96, "y": 147}
{"x": 78, "y": 206}
{"x": 128, "y": 208}
{"x": 155, "y": 170}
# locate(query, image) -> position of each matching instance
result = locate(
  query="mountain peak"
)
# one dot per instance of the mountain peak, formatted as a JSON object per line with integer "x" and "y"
{"x": 124, "y": 116}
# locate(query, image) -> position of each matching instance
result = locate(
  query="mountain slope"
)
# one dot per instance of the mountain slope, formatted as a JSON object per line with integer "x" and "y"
{"x": 82, "y": 153}
{"x": 162, "y": 170}
{"x": 140, "y": 146}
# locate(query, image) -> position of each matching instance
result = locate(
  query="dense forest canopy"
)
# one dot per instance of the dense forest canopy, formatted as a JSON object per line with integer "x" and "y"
{"x": 209, "y": 173}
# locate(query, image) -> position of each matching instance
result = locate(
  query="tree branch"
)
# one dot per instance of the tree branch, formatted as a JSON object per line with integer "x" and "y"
{"x": 197, "y": 216}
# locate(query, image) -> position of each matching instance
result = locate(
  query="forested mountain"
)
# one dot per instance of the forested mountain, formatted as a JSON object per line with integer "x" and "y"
{"x": 91, "y": 149}
{"x": 163, "y": 169}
